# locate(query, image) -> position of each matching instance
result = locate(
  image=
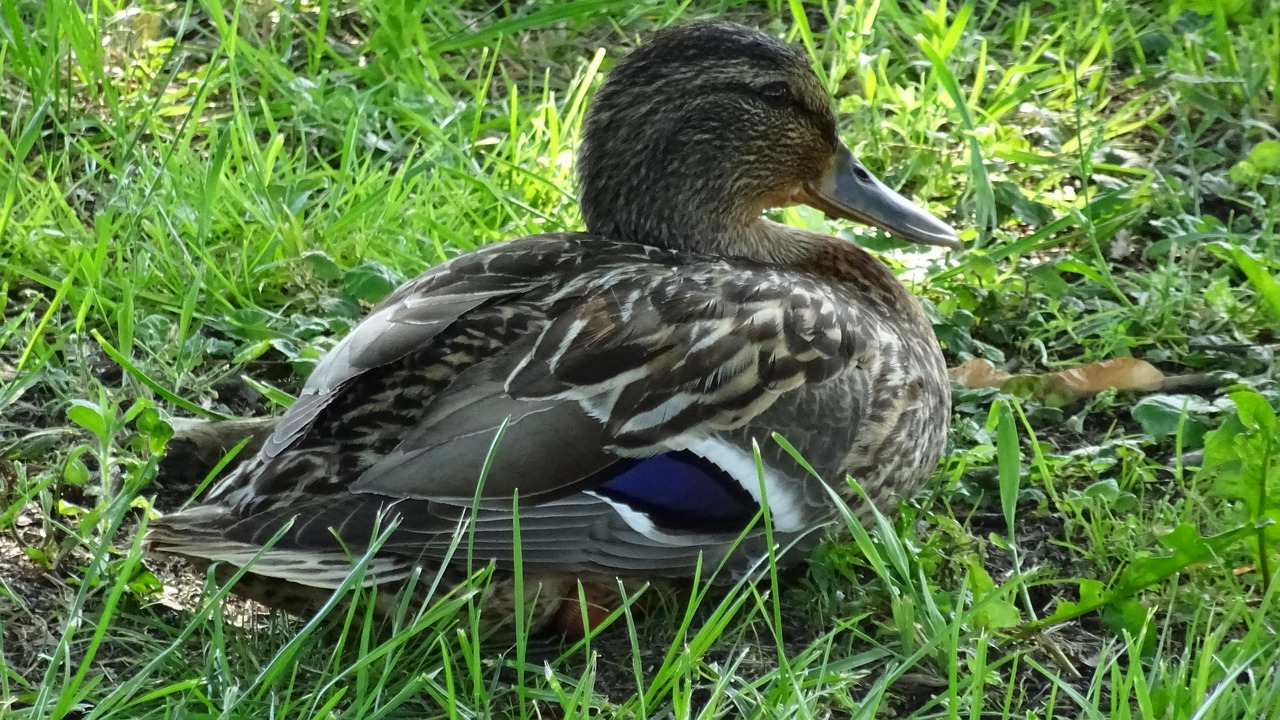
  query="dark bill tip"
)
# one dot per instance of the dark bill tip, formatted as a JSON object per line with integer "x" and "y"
{"x": 848, "y": 191}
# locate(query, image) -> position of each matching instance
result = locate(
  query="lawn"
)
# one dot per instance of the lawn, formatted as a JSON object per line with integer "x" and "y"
{"x": 199, "y": 198}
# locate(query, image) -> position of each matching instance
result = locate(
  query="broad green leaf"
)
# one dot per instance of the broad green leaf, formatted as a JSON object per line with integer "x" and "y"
{"x": 1105, "y": 493}
{"x": 89, "y": 416}
{"x": 1162, "y": 415}
{"x": 75, "y": 472}
{"x": 1266, "y": 156}
{"x": 154, "y": 427}
{"x": 322, "y": 265}
{"x": 1242, "y": 463}
{"x": 369, "y": 282}
{"x": 1188, "y": 547}
{"x": 1244, "y": 173}
{"x": 1261, "y": 277}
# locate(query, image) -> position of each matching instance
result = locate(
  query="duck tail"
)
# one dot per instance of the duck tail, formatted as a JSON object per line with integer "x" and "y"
{"x": 198, "y": 535}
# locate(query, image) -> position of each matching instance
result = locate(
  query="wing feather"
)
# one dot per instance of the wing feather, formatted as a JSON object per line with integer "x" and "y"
{"x": 625, "y": 353}
{"x": 658, "y": 351}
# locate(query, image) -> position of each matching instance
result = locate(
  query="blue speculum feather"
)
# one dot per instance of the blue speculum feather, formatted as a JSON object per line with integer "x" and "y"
{"x": 681, "y": 491}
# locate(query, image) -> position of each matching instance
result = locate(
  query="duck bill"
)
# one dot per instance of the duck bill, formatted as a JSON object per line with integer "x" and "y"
{"x": 848, "y": 191}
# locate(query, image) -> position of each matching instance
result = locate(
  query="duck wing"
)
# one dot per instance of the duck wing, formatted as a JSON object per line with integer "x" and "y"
{"x": 612, "y": 397}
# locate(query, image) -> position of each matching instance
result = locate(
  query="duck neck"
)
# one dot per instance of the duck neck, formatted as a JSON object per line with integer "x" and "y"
{"x": 764, "y": 241}
{"x": 830, "y": 257}
{"x": 752, "y": 238}
{"x": 770, "y": 243}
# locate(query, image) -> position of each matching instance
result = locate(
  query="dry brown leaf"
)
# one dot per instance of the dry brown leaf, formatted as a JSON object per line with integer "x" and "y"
{"x": 1123, "y": 373}
{"x": 1066, "y": 386}
{"x": 978, "y": 373}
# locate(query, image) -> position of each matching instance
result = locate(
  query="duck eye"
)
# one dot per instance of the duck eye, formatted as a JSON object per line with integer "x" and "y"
{"x": 777, "y": 93}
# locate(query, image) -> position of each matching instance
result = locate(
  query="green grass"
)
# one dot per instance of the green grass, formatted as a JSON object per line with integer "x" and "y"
{"x": 197, "y": 199}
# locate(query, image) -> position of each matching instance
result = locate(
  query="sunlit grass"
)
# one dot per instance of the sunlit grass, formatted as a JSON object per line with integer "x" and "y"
{"x": 196, "y": 193}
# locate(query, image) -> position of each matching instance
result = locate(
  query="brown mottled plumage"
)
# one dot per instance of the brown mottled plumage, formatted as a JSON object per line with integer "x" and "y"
{"x": 630, "y": 369}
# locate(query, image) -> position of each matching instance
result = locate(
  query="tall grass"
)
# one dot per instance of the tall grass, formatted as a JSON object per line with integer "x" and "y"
{"x": 197, "y": 199}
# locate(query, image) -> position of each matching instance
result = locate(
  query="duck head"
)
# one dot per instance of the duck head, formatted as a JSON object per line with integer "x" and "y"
{"x": 698, "y": 131}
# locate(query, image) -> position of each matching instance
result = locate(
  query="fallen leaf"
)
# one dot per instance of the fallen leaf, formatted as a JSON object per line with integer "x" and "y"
{"x": 978, "y": 373}
{"x": 1065, "y": 386}
{"x": 1123, "y": 373}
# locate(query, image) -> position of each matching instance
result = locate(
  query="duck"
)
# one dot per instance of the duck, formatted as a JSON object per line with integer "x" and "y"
{"x": 618, "y": 391}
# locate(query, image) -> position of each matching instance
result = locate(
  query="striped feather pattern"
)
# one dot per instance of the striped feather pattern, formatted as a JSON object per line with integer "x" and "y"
{"x": 633, "y": 353}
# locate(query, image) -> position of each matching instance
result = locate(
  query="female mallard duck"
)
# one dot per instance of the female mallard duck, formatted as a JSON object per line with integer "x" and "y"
{"x": 629, "y": 370}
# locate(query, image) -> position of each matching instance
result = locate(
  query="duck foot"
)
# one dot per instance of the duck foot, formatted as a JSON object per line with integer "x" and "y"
{"x": 578, "y": 615}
